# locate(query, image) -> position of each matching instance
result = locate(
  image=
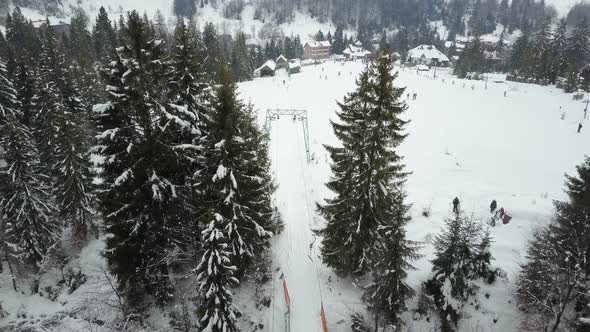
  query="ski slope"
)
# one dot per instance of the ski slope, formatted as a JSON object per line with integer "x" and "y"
{"x": 465, "y": 140}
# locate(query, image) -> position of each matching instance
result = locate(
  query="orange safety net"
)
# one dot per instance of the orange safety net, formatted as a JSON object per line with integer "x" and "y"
{"x": 286, "y": 291}
{"x": 323, "y": 316}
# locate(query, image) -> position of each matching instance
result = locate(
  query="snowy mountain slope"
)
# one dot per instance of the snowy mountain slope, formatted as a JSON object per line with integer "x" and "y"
{"x": 302, "y": 25}
{"x": 464, "y": 141}
{"x": 562, "y": 6}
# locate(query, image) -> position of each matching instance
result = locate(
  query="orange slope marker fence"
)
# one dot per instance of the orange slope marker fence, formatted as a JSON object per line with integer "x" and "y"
{"x": 323, "y": 316}
{"x": 286, "y": 291}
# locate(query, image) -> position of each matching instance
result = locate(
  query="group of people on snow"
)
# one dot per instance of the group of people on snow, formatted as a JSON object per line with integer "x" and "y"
{"x": 497, "y": 214}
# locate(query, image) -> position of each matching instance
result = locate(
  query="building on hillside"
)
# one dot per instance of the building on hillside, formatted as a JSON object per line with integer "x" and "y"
{"x": 267, "y": 69}
{"x": 294, "y": 66}
{"x": 428, "y": 55}
{"x": 317, "y": 50}
{"x": 281, "y": 62}
{"x": 252, "y": 44}
{"x": 356, "y": 51}
{"x": 61, "y": 28}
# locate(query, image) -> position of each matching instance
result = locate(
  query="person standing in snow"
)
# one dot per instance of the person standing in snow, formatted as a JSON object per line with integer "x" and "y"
{"x": 456, "y": 205}
{"x": 579, "y": 127}
{"x": 493, "y": 206}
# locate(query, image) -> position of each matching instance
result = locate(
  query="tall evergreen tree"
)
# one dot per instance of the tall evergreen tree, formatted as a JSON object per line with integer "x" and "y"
{"x": 579, "y": 44}
{"x": 229, "y": 181}
{"x": 215, "y": 310}
{"x": 143, "y": 167}
{"x": 554, "y": 283}
{"x": 50, "y": 82}
{"x": 461, "y": 256}
{"x": 28, "y": 223}
{"x": 520, "y": 57}
{"x": 103, "y": 37}
{"x": 338, "y": 45}
{"x": 558, "y": 46}
{"x": 211, "y": 41}
{"x": 73, "y": 183}
{"x": 367, "y": 172}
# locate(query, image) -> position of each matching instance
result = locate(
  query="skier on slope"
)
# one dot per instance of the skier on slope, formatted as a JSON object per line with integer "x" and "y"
{"x": 579, "y": 127}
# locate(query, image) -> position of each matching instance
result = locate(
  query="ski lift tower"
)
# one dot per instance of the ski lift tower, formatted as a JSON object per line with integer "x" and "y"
{"x": 296, "y": 115}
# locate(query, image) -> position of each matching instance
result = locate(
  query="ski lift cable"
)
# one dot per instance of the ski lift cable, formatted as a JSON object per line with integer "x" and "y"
{"x": 308, "y": 214}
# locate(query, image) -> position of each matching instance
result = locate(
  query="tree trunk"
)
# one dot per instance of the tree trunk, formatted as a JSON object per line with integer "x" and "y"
{"x": 566, "y": 300}
{"x": 11, "y": 274}
{"x": 377, "y": 322}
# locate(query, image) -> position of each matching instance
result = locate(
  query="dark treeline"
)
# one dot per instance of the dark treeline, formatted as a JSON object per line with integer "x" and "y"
{"x": 554, "y": 51}
{"x": 481, "y": 16}
{"x": 181, "y": 187}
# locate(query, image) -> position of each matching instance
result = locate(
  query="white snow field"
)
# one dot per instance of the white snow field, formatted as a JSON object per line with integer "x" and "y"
{"x": 464, "y": 140}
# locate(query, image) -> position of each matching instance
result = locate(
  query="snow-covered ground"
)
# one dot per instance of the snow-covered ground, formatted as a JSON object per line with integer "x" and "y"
{"x": 465, "y": 141}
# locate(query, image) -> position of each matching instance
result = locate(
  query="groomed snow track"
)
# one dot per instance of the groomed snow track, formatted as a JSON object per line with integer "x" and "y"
{"x": 297, "y": 291}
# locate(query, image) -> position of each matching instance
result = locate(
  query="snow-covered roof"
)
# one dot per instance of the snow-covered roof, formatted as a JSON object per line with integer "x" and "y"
{"x": 39, "y": 23}
{"x": 427, "y": 52}
{"x": 313, "y": 44}
{"x": 356, "y": 51}
{"x": 294, "y": 63}
{"x": 268, "y": 64}
{"x": 281, "y": 58}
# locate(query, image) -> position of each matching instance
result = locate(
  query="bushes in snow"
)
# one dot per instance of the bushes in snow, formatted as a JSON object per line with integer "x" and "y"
{"x": 462, "y": 257}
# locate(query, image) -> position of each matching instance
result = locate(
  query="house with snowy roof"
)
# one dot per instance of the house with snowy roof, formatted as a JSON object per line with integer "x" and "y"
{"x": 61, "y": 28}
{"x": 356, "y": 51}
{"x": 317, "y": 50}
{"x": 281, "y": 62}
{"x": 267, "y": 69}
{"x": 294, "y": 66}
{"x": 428, "y": 55}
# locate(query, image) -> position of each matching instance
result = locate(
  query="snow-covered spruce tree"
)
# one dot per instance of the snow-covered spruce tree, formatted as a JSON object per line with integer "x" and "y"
{"x": 48, "y": 104}
{"x": 230, "y": 182}
{"x": 24, "y": 84}
{"x": 215, "y": 275}
{"x": 461, "y": 256}
{"x": 73, "y": 176}
{"x": 144, "y": 169}
{"x": 258, "y": 186}
{"x": 558, "y": 53}
{"x": 29, "y": 228}
{"x": 541, "y": 50}
{"x": 187, "y": 115}
{"x": 213, "y": 59}
{"x": 555, "y": 282}
{"x": 367, "y": 172}
{"x": 61, "y": 124}
{"x": 240, "y": 59}
{"x": 104, "y": 39}
{"x": 579, "y": 44}
{"x": 8, "y": 101}
{"x": 392, "y": 252}
{"x": 387, "y": 294}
